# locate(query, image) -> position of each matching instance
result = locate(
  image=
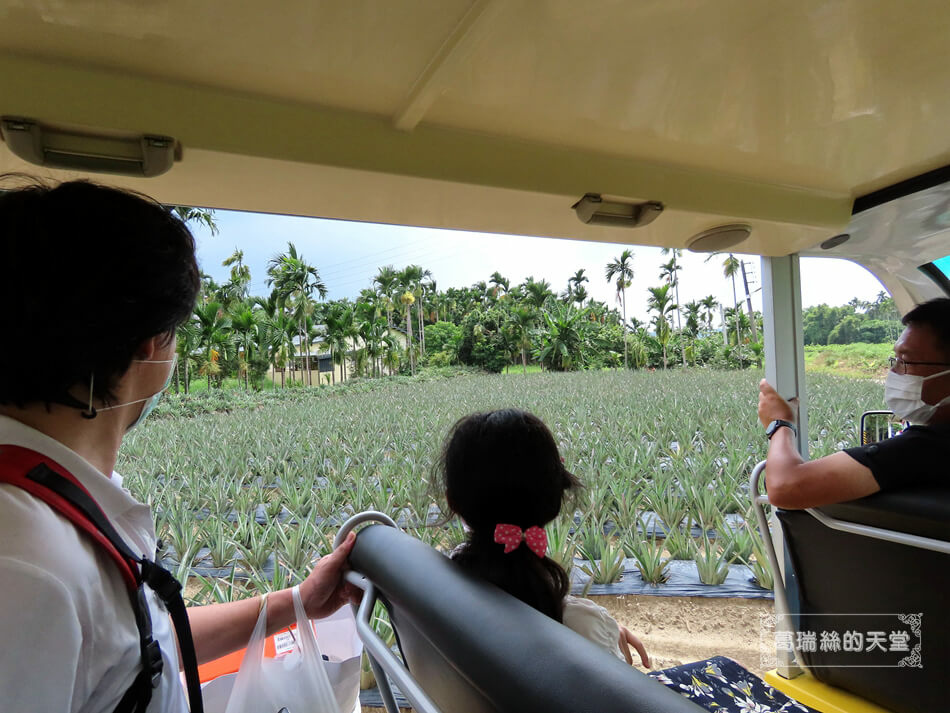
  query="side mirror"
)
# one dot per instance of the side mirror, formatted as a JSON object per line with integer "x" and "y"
{"x": 878, "y": 426}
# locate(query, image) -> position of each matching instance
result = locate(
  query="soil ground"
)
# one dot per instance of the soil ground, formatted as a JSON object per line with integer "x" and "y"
{"x": 678, "y": 630}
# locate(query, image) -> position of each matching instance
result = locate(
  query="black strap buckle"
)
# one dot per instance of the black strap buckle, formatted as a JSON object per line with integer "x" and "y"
{"x": 154, "y": 662}
{"x": 160, "y": 581}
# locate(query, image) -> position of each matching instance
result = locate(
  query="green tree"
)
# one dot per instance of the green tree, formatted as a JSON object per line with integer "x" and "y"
{"x": 730, "y": 268}
{"x": 244, "y": 325}
{"x": 523, "y": 320}
{"x": 387, "y": 286}
{"x": 188, "y": 337}
{"x": 562, "y": 338}
{"x": 500, "y": 284}
{"x": 236, "y": 289}
{"x": 203, "y": 216}
{"x": 213, "y": 334}
{"x": 440, "y": 335}
{"x": 669, "y": 271}
{"x": 709, "y": 304}
{"x": 622, "y": 269}
{"x": 576, "y": 285}
{"x": 691, "y": 310}
{"x": 340, "y": 330}
{"x": 537, "y": 292}
{"x": 295, "y": 282}
{"x": 407, "y": 299}
{"x": 483, "y": 342}
{"x": 660, "y": 302}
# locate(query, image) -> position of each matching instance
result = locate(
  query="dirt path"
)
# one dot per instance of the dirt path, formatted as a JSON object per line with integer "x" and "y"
{"x": 678, "y": 630}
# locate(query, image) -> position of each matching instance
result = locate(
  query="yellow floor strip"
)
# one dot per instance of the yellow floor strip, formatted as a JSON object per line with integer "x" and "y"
{"x": 820, "y": 696}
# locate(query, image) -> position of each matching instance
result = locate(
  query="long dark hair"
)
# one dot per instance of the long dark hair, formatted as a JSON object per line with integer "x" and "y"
{"x": 503, "y": 467}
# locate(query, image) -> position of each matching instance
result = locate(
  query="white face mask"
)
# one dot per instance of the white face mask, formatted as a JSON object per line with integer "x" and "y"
{"x": 149, "y": 401}
{"x": 902, "y": 394}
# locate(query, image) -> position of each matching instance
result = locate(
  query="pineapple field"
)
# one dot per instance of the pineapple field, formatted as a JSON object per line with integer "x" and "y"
{"x": 248, "y": 488}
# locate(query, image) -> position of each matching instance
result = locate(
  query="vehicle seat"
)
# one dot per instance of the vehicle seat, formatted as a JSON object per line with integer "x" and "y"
{"x": 842, "y": 573}
{"x": 473, "y": 647}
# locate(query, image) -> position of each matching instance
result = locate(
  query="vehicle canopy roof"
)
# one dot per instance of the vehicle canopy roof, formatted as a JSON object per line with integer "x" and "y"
{"x": 498, "y": 116}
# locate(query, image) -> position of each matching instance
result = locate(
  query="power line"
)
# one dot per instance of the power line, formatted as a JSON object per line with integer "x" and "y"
{"x": 375, "y": 254}
{"x": 348, "y": 282}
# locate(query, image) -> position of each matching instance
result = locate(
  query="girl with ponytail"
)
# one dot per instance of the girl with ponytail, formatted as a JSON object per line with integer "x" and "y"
{"x": 503, "y": 476}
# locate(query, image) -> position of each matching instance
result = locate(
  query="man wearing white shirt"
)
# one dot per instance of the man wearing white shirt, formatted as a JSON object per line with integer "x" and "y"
{"x": 94, "y": 282}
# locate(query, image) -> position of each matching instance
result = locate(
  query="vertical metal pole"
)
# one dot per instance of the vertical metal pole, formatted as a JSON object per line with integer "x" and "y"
{"x": 748, "y": 302}
{"x": 785, "y": 370}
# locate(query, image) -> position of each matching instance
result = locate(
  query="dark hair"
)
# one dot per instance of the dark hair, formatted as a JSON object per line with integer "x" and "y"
{"x": 503, "y": 467}
{"x": 87, "y": 273}
{"x": 936, "y": 315}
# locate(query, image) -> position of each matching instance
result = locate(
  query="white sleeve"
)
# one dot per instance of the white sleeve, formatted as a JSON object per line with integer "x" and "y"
{"x": 41, "y": 640}
{"x": 593, "y": 622}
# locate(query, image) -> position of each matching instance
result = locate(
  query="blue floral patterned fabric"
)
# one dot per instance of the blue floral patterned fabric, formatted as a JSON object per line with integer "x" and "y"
{"x": 723, "y": 686}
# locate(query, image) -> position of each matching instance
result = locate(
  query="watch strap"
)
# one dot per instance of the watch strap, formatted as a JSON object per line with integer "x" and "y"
{"x": 777, "y": 424}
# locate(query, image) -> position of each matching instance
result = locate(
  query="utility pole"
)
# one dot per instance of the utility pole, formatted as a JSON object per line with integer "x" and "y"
{"x": 725, "y": 332}
{"x": 748, "y": 301}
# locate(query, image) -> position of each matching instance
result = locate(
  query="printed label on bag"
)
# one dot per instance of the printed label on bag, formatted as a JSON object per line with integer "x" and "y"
{"x": 284, "y": 642}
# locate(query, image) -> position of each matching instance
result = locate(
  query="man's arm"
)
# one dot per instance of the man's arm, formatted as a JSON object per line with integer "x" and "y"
{"x": 219, "y": 629}
{"x": 793, "y": 483}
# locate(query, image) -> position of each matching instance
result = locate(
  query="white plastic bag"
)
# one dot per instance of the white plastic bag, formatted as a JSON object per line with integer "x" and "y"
{"x": 339, "y": 642}
{"x": 295, "y": 681}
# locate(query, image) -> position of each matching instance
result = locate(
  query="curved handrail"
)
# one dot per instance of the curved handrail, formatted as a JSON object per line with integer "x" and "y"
{"x": 757, "y": 502}
{"x": 381, "y": 657}
{"x": 880, "y": 533}
{"x": 358, "y": 519}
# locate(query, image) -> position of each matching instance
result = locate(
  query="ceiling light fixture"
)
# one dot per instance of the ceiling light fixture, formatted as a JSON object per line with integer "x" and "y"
{"x": 719, "y": 238}
{"x": 592, "y": 209}
{"x": 83, "y": 150}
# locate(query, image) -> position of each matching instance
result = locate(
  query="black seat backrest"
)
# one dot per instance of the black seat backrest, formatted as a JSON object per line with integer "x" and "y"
{"x": 841, "y": 574}
{"x": 473, "y": 647}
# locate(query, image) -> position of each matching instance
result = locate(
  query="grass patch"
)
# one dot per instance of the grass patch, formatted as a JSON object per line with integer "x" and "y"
{"x": 864, "y": 361}
{"x": 518, "y": 369}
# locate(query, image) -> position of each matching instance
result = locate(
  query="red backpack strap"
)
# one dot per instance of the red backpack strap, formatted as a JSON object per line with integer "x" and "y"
{"x": 29, "y": 470}
{"x": 48, "y": 481}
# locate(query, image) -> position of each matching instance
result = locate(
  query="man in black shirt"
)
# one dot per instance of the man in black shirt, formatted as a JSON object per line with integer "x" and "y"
{"x": 917, "y": 389}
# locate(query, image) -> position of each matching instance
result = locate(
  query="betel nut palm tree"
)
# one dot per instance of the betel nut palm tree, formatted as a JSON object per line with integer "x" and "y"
{"x": 668, "y": 271}
{"x": 730, "y": 268}
{"x": 386, "y": 283}
{"x": 500, "y": 284}
{"x": 709, "y": 304}
{"x": 213, "y": 334}
{"x": 536, "y": 292}
{"x": 661, "y": 303}
{"x": 295, "y": 282}
{"x": 244, "y": 325}
{"x": 622, "y": 269}
{"x": 523, "y": 319}
{"x": 407, "y": 299}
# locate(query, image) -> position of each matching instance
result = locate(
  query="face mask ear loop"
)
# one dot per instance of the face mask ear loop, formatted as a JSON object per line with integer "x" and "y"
{"x": 91, "y": 413}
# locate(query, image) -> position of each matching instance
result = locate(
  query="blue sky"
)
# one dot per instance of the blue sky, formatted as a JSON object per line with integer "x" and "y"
{"x": 347, "y": 254}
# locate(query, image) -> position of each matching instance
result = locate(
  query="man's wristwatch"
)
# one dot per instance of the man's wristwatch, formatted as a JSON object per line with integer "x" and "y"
{"x": 777, "y": 424}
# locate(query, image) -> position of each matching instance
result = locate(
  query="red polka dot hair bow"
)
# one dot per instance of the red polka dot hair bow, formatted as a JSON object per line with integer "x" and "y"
{"x": 510, "y": 536}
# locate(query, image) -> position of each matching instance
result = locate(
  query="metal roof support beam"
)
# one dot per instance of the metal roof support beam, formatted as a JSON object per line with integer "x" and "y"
{"x": 453, "y": 52}
{"x": 785, "y": 370}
